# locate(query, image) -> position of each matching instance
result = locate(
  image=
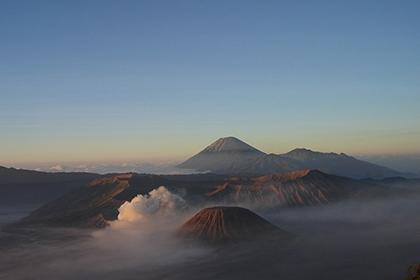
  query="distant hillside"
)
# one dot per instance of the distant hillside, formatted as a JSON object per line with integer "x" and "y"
{"x": 232, "y": 156}
{"x": 28, "y": 186}
{"x": 339, "y": 164}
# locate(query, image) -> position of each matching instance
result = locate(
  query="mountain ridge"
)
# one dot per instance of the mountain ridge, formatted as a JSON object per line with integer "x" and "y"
{"x": 98, "y": 202}
{"x": 229, "y": 155}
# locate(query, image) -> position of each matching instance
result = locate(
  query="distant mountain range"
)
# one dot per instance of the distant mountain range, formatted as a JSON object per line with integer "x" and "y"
{"x": 232, "y": 156}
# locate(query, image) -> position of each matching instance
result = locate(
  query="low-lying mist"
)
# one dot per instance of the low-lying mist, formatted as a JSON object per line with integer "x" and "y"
{"x": 142, "y": 239}
{"x": 351, "y": 240}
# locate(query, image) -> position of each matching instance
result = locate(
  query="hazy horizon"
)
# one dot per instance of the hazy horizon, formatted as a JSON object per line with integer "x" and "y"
{"x": 408, "y": 163}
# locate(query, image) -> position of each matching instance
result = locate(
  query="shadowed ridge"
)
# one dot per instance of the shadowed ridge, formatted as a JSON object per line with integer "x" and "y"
{"x": 111, "y": 179}
{"x": 37, "y": 187}
{"x": 307, "y": 154}
{"x": 83, "y": 207}
{"x": 292, "y": 175}
{"x": 339, "y": 164}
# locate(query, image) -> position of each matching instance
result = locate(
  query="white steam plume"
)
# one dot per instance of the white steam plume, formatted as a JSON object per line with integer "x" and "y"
{"x": 159, "y": 202}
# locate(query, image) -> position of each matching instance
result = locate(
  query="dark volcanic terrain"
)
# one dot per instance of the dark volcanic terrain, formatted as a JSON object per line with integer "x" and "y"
{"x": 342, "y": 227}
{"x": 98, "y": 202}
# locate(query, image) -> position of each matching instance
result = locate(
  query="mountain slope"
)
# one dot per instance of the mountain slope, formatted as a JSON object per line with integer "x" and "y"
{"x": 338, "y": 164}
{"x": 87, "y": 206}
{"x": 224, "y": 156}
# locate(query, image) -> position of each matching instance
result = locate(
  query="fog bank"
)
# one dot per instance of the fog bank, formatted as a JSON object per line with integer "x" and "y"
{"x": 349, "y": 240}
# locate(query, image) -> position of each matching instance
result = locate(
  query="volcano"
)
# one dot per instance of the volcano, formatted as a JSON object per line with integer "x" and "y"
{"x": 225, "y": 224}
{"x": 224, "y": 156}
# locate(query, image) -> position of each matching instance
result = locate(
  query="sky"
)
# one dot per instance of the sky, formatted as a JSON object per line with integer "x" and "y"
{"x": 101, "y": 81}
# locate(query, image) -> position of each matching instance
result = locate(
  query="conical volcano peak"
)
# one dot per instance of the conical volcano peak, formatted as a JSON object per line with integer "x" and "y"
{"x": 225, "y": 156}
{"x": 229, "y": 144}
{"x": 224, "y": 224}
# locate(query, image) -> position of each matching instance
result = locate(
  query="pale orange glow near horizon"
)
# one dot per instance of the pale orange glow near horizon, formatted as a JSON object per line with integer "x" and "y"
{"x": 176, "y": 150}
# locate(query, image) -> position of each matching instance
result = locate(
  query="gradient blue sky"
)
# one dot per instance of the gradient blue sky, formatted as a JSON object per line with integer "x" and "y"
{"x": 142, "y": 80}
